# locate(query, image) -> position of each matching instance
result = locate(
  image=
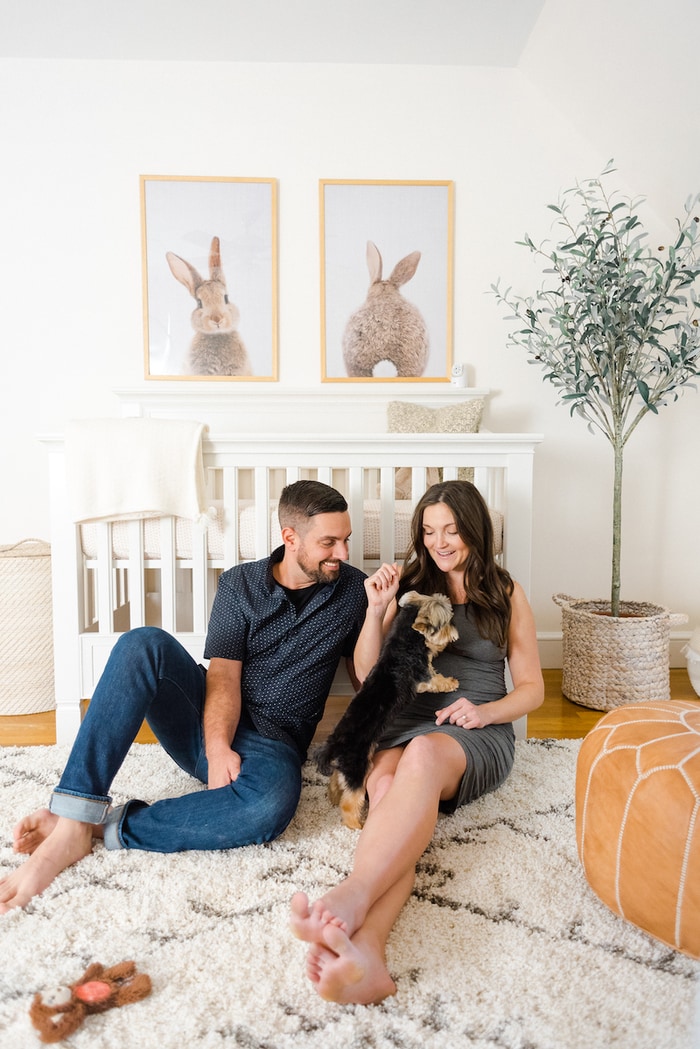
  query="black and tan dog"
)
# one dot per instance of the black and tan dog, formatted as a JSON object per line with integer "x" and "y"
{"x": 422, "y": 628}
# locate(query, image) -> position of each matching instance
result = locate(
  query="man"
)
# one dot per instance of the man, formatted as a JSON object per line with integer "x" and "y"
{"x": 277, "y": 631}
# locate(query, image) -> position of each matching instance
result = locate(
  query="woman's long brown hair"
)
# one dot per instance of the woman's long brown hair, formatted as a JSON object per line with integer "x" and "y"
{"x": 487, "y": 585}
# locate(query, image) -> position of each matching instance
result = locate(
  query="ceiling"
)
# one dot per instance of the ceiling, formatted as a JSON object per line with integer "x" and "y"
{"x": 417, "y": 32}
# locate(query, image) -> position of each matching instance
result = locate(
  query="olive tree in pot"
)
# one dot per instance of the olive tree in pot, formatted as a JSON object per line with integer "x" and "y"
{"x": 615, "y": 329}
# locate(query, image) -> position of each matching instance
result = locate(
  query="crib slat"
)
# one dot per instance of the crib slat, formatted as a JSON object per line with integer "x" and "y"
{"x": 167, "y": 574}
{"x": 481, "y": 481}
{"x": 135, "y": 575}
{"x": 386, "y": 522}
{"x": 262, "y": 511}
{"x": 105, "y": 576}
{"x": 230, "y": 492}
{"x": 355, "y": 499}
{"x": 200, "y": 604}
{"x": 419, "y": 483}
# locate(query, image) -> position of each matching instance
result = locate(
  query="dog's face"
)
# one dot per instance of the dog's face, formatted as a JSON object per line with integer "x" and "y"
{"x": 433, "y": 618}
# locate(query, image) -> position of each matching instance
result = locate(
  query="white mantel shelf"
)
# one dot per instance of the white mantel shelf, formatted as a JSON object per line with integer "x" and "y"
{"x": 351, "y": 407}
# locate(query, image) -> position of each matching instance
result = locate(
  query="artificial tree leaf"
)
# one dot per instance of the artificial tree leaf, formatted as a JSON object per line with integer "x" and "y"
{"x": 614, "y": 324}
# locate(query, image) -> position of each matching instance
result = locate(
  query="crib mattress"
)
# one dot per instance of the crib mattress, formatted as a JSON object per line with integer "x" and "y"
{"x": 184, "y": 532}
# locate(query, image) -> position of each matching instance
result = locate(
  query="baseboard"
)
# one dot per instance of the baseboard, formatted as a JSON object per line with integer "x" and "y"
{"x": 550, "y": 649}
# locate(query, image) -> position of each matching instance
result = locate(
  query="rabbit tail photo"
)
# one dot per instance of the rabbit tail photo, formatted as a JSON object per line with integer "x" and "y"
{"x": 387, "y": 331}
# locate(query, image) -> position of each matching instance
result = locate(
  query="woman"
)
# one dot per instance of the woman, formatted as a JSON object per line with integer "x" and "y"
{"x": 428, "y": 760}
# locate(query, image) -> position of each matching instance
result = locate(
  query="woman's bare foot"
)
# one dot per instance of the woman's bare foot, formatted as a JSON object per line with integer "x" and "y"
{"x": 345, "y": 906}
{"x": 349, "y": 971}
{"x": 306, "y": 920}
{"x": 32, "y": 830}
{"x": 68, "y": 842}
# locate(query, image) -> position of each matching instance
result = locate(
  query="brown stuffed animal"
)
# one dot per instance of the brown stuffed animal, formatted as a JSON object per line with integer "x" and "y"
{"x": 56, "y": 1014}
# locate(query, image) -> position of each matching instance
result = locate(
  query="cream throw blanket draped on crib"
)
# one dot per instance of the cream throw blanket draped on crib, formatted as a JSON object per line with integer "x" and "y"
{"x": 129, "y": 468}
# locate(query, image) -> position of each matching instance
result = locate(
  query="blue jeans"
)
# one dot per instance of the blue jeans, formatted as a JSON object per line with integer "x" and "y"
{"x": 149, "y": 675}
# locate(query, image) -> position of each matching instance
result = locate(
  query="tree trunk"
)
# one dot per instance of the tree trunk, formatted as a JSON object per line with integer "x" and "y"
{"x": 617, "y": 529}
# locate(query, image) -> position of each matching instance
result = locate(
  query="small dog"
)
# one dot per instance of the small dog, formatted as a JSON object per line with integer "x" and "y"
{"x": 422, "y": 628}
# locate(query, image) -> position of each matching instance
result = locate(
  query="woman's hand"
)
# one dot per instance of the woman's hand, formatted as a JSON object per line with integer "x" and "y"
{"x": 462, "y": 713}
{"x": 381, "y": 587}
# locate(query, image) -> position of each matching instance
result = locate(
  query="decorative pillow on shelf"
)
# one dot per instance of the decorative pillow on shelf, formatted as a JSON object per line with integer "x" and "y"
{"x": 463, "y": 417}
{"x": 403, "y": 417}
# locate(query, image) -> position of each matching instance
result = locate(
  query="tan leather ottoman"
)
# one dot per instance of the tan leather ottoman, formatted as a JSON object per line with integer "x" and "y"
{"x": 638, "y": 817}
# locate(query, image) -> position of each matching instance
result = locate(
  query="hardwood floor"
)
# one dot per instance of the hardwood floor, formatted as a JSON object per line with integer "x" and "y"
{"x": 557, "y": 718}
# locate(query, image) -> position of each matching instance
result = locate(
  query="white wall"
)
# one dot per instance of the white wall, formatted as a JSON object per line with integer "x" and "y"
{"x": 76, "y": 137}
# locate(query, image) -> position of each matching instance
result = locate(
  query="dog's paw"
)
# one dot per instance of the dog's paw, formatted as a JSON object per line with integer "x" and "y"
{"x": 438, "y": 683}
{"x": 335, "y": 787}
{"x": 354, "y": 806}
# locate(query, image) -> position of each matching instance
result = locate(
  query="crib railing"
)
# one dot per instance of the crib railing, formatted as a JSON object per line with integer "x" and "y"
{"x": 165, "y": 571}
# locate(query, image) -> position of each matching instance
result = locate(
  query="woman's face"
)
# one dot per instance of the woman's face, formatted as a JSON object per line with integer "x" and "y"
{"x": 442, "y": 540}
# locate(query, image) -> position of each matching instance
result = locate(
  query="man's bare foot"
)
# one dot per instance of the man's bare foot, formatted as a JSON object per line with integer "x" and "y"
{"x": 349, "y": 971}
{"x": 344, "y": 906}
{"x": 67, "y": 843}
{"x": 32, "y": 830}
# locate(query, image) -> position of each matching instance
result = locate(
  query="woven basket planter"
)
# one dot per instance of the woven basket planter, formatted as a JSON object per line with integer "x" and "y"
{"x": 610, "y": 662}
{"x": 26, "y": 628}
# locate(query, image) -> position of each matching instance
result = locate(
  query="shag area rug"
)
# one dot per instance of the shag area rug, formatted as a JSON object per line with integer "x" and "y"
{"x": 502, "y": 945}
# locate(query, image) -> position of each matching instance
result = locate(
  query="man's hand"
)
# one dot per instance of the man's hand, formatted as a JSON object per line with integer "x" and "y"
{"x": 224, "y": 769}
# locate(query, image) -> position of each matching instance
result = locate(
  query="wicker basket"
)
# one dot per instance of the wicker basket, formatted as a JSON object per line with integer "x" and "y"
{"x": 26, "y": 628}
{"x": 610, "y": 662}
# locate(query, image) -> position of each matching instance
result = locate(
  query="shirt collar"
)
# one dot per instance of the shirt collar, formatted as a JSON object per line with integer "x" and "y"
{"x": 274, "y": 559}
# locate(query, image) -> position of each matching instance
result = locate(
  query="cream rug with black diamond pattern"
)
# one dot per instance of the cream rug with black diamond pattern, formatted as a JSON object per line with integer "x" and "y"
{"x": 502, "y": 945}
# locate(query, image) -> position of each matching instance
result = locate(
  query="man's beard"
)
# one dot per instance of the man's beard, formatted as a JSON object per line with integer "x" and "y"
{"x": 318, "y": 573}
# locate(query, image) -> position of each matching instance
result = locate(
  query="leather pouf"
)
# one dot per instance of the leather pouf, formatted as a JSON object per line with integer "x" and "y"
{"x": 638, "y": 817}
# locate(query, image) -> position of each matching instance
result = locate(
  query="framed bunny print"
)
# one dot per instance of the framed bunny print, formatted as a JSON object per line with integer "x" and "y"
{"x": 386, "y": 281}
{"x": 209, "y": 278}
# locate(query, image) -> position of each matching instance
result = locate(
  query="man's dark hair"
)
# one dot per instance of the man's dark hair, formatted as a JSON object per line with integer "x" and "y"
{"x": 303, "y": 500}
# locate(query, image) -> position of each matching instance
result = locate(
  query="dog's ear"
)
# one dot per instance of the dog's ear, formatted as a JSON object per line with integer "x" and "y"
{"x": 411, "y": 597}
{"x": 434, "y": 616}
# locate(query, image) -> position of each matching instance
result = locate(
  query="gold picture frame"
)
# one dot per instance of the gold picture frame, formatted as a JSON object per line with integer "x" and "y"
{"x": 381, "y": 235}
{"x": 209, "y": 256}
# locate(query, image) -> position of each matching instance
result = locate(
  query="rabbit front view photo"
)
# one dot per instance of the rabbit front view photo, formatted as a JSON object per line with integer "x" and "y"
{"x": 209, "y": 250}
{"x": 387, "y": 331}
{"x": 216, "y": 347}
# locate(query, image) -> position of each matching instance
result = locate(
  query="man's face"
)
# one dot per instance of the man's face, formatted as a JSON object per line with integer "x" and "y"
{"x": 322, "y": 545}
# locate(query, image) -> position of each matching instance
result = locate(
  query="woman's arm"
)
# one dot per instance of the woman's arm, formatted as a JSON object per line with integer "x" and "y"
{"x": 525, "y": 670}
{"x": 222, "y": 711}
{"x": 381, "y": 591}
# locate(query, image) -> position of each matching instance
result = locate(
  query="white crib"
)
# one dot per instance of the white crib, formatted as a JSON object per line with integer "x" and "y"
{"x": 110, "y": 577}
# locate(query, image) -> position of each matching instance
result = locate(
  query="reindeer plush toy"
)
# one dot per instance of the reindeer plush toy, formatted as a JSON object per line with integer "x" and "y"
{"x": 56, "y": 1014}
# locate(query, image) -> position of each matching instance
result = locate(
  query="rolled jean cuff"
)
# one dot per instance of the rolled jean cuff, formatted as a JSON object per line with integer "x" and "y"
{"x": 113, "y": 825}
{"x": 79, "y": 807}
{"x": 112, "y": 839}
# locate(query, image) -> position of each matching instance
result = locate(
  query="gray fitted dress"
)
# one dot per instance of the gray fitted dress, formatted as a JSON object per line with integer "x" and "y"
{"x": 479, "y": 666}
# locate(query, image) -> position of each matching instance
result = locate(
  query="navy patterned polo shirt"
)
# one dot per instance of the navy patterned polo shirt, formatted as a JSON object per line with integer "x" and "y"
{"x": 289, "y": 659}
